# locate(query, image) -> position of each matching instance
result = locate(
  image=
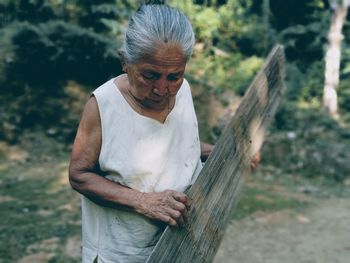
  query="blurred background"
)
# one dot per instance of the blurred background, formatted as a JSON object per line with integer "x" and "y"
{"x": 54, "y": 53}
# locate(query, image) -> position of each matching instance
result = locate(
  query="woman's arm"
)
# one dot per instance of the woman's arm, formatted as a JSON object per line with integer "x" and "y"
{"x": 86, "y": 178}
{"x": 206, "y": 149}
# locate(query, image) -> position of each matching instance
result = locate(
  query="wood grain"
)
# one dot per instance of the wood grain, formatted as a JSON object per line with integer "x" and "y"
{"x": 217, "y": 188}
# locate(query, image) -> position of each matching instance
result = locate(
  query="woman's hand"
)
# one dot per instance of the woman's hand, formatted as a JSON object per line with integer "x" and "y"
{"x": 206, "y": 150}
{"x": 255, "y": 161}
{"x": 168, "y": 206}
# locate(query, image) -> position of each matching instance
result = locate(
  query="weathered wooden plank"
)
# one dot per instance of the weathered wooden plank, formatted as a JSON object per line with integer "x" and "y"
{"x": 217, "y": 188}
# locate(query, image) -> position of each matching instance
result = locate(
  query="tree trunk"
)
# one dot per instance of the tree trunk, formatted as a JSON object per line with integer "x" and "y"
{"x": 333, "y": 55}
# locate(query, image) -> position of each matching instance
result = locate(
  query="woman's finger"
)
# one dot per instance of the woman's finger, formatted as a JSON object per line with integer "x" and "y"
{"x": 175, "y": 215}
{"x": 178, "y": 206}
{"x": 182, "y": 209}
{"x": 167, "y": 219}
{"x": 182, "y": 198}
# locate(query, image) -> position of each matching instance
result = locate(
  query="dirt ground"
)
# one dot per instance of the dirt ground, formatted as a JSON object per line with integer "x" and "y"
{"x": 276, "y": 223}
{"x": 318, "y": 234}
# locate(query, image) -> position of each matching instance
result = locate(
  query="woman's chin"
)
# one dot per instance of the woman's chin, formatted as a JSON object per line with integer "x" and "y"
{"x": 157, "y": 104}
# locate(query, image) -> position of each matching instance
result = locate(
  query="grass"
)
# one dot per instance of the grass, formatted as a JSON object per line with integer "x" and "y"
{"x": 37, "y": 209}
{"x": 34, "y": 212}
{"x": 254, "y": 199}
{"x": 40, "y": 212}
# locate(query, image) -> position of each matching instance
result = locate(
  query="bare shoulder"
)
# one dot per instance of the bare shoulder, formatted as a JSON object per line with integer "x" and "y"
{"x": 87, "y": 143}
{"x": 91, "y": 117}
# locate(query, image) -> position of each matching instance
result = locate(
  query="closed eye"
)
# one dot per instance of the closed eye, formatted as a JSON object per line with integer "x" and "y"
{"x": 150, "y": 75}
{"x": 173, "y": 77}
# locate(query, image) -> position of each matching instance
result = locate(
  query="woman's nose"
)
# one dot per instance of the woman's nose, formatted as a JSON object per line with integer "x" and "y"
{"x": 161, "y": 88}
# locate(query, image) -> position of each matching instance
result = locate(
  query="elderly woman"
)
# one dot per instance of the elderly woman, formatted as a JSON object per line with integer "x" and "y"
{"x": 137, "y": 147}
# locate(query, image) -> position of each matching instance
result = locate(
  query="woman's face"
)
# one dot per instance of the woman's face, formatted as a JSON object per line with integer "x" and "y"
{"x": 156, "y": 79}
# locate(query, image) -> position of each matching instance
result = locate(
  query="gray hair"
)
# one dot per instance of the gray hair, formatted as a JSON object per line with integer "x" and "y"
{"x": 154, "y": 24}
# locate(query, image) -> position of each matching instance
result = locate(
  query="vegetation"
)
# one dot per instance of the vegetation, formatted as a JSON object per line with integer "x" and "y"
{"x": 54, "y": 53}
{"x": 48, "y": 43}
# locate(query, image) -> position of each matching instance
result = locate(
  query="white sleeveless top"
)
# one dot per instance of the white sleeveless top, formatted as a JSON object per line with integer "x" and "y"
{"x": 143, "y": 154}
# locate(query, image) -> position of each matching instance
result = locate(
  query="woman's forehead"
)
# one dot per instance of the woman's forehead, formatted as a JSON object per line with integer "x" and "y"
{"x": 165, "y": 56}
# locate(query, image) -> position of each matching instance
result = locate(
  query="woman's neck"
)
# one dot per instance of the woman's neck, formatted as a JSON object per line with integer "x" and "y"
{"x": 139, "y": 105}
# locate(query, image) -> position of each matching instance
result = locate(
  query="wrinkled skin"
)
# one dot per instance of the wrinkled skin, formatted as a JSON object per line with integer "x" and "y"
{"x": 168, "y": 206}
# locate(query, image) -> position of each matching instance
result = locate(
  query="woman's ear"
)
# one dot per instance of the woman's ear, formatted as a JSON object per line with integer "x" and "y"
{"x": 122, "y": 59}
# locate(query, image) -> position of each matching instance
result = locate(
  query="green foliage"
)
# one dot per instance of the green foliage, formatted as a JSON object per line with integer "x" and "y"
{"x": 227, "y": 36}
{"x": 224, "y": 72}
{"x": 43, "y": 54}
{"x": 304, "y": 44}
{"x": 229, "y": 26}
{"x": 104, "y": 16}
{"x": 344, "y": 95}
{"x": 245, "y": 73}
{"x": 36, "y": 11}
{"x": 47, "y": 43}
{"x": 307, "y": 142}
{"x": 206, "y": 22}
{"x": 306, "y": 85}
{"x": 312, "y": 87}
{"x": 287, "y": 13}
{"x": 241, "y": 30}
